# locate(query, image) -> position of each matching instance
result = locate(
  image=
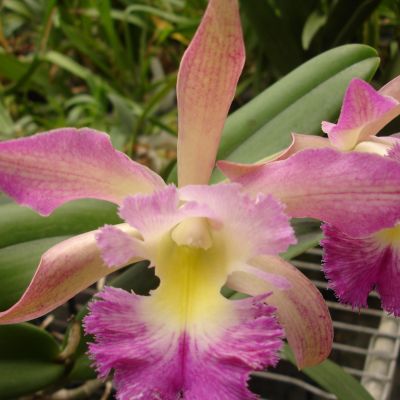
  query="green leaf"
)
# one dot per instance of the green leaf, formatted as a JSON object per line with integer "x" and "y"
{"x": 28, "y": 360}
{"x": 18, "y": 263}
{"x": 332, "y": 378}
{"x": 19, "y": 224}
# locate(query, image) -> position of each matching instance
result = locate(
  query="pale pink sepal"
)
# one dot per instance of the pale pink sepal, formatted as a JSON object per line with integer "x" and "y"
{"x": 301, "y": 309}
{"x": 356, "y": 192}
{"x": 65, "y": 270}
{"x": 300, "y": 142}
{"x": 46, "y": 170}
{"x": 364, "y": 113}
{"x": 207, "y": 79}
{"x": 392, "y": 88}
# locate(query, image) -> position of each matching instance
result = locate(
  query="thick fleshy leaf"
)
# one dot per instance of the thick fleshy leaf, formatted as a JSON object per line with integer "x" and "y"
{"x": 46, "y": 170}
{"x": 207, "y": 79}
{"x": 364, "y": 113}
{"x": 64, "y": 270}
{"x": 356, "y": 192}
{"x": 27, "y": 360}
{"x": 301, "y": 309}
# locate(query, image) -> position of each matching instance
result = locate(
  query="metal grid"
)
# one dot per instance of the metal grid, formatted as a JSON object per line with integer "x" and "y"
{"x": 366, "y": 343}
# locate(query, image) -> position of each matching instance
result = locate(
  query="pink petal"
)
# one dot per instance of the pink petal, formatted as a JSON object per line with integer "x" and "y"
{"x": 357, "y": 192}
{"x": 299, "y": 142}
{"x": 354, "y": 267}
{"x": 394, "y": 152}
{"x": 301, "y": 309}
{"x": 118, "y": 247}
{"x": 207, "y": 80}
{"x": 365, "y": 112}
{"x": 259, "y": 223}
{"x": 65, "y": 270}
{"x": 153, "y": 362}
{"x": 46, "y": 170}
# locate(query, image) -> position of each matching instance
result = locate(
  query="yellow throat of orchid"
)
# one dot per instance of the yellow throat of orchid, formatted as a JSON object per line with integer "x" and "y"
{"x": 191, "y": 278}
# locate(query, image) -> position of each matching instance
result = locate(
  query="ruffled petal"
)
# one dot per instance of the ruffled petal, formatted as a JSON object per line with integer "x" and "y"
{"x": 64, "y": 270}
{"x": 301, "y": 309}
{"x": 357, "y": 192}
{"x": 153, "y": 361}
{"x": 364, "y": 113}
{"x": 261, "y": 223}
{"x": 155, "y": 214}
{"x": 119, "y": 247}
{"x": 355, "y": 266}
{"x": 46, "y": 170}
{"x": 208, "y": 74}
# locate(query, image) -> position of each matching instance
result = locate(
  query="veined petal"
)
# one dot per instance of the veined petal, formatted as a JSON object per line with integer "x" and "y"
{"x": 209, "y": 71}
{"x": 64, "y": 270}
{"x": 356, "y": 192}
{"x": 364, "y": 113}
{"x": 301, "y": 309}
{"x": 153, "y": 360}
{"x": 46, "y": 170}
{"x": 119, "y": 247}
{"x": 300, "y": 142}
{"x": 394, "y": 152}
{"x": 355, "y": 266}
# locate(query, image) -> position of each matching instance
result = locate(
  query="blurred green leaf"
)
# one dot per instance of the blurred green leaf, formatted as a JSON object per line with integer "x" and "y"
{"x": 345, "y": 18}
{"x": 28, "y": 360}
{"x": 314, "y": 22}
{"x": 281, "y": 47}
{"x": 332, "y": 378}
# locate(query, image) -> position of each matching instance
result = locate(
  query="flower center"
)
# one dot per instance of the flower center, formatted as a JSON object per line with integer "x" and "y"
{"x": 191, "y": 279}
{"x": 389, "y": 236}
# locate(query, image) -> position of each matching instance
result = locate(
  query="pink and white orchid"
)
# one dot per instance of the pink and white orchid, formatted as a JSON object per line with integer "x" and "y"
{"x": 356, "y": 260}
{"x": 186, "y": 340}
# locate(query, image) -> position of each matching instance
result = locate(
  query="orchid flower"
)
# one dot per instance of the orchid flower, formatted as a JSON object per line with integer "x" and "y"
{"x": 356, "y": 262}
{"x": 186, "y": 340}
